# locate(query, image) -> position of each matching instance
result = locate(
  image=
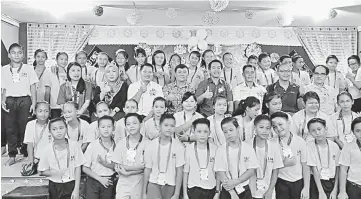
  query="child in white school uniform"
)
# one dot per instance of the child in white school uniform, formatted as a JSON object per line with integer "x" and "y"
{"x": 77, "y": 128}
{"x": 294, "y": 178}
{"x": 98, "y": 167}
{"x": 199, "y": 179}
{"x": 322, "y": 157}
{"x": 61, "y": 162}
{"x": 129, "y": 159}
{"x": 220, "y": 108}
{"x": 164, "y": 160}
{"x": 151, "y": 126}
{"x": 269, "y": 158}
{"x": 37, "y": 136}
{"x": 131, "y": 106}
{"x": 235, "y": 163}
{"x": 101, "y": 109}
{"x": 350, "y": 169}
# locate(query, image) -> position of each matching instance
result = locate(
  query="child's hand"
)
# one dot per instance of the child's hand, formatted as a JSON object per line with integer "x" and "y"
{"x": 106, "y": 89}
{"x": 342, "y": 195}
{"x": 75, "y": 194}
{"x": 59, "y": 173}
{"x": 3, "y": 106}
{"x": 106, "y": 181}
{"x": 229, "y": 184}
{"x": 102, "y": 160}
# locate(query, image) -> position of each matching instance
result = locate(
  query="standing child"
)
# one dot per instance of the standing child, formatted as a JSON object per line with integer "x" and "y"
{"x": 37, "y": 136}
{"x": 133, "y": 72}
{"x": 151, "y": 126}
{"x": 61, "y": 162}
{"x": 322, "y": 157}
{"x": 129, "y": 159}
{"x": 350, "y": 161}
{"x": 235, "y": 163}
{"x": 220, "y": 108}
{"x": 98, "y": 75}
{"x": 199, "y": 179}
{"x": 98, "y": 167}
{"x": 131, "y": 106}
{"x": 77, "y": 128}
{"x": 294, "y": 179}
{"x": 164, "y": 160}
{"x": 44, "y": 74}
{"x": 102, "y": 109}
{"x": 269, "y": 158}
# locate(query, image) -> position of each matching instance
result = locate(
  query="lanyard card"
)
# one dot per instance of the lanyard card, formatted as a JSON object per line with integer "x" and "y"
{"x": 287, "y": 152}
{"x": 203, "y": 174}
{"x": 261, "y": 184}
{"x": 16, "y": 77}
{"x": 239, "y": 189}
{"x": 161, "y": 179}
{"x": 131, "y": 156}
{"x": 325, "y": 174}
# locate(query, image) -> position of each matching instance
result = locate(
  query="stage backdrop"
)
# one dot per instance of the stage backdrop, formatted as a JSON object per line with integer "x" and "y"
{"x": 238, "y": 51}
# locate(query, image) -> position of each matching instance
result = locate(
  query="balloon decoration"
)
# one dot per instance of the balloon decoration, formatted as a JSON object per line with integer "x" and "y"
{"x": 186, "y": 34}
{"x": 210, "y": 18}
{"x": 198, "y": 40}
{"x": 284, "y": 19}
{"x": 333, "y": 14}
{"x": 202, "y": 45}
{"x": 134, "y": 17}
{"x": 98, "y": 11}
{"x": 201, "y": 34}
{"x": 218, "y": 5}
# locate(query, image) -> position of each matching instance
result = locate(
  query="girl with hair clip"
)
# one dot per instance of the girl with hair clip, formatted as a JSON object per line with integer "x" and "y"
{"x": 299, "y": 76}
{"x": 174, "y": 61}
{"x": 114, "y": 92}
{"x": 161, "y": 73}
{"x": 207, "y": 57}
{"x": 98, "y": 75}
{"x": 312, "y": 110}
{"x": 75, "y": 89}
{"x": 134, "y": 71}
{"x": 81, "y": 58}
{"x": 343, "y": 118}
{"x": 44, "y": 74}
{"x": 247, "y": 110}
{"x": 335, "y": 78}
{"x": 122, "y": 61}
{"x": 60, "y": 78}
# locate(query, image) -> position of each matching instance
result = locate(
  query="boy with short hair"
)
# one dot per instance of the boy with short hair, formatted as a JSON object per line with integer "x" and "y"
{"x": 199, "y": 179}
{"x": 220, "y": 108}
{"x": 164, "y": 160}
{"x": 131, "y": 106}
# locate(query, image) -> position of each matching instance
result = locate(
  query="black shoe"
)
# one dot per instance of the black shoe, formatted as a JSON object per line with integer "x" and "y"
{"x": 24, "y": 150}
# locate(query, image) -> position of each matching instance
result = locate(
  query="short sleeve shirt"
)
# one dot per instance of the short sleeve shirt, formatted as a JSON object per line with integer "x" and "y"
{"x": 151, "y": 129}
{"x": 221, "y": 89}
{"x": 50, "y": 161}
{"x": 195, "y": 77}
{"x": 120, "y": 130}
{"x": 44, "y": 81}
{"x": 289, "y": 96}
{"x": 327, "y": 96}
{"x": 351, "y": 157}
{"x": 39, "y": 136}
{"x": 232, "y": 77}
{"x": 336, "y": 80}
{"x": 216, "y": 131}
{"x": 80, "y": 134}
{"x": 242, "y": 91}
{"x": 301, "y": 79}
{"x": 21, "y": 88}
{"x": 266, "y": 77}
{"x": 134, "y": 73}
{"x": 342, "y": 126}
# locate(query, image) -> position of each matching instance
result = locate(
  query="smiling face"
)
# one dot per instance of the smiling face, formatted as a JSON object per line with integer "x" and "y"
{"x": 230, "y": 132}
{"x": 167, "y": 127}
{"x": 332, "y": 64}
{"x": 263, "y": 129}
{"x": 132, "y": 125}
{"x": 312, "y": 105}
{"x": 216, "y": 70}
{"x": 228, "y": 60}
{"x": 318, "y": 131}
{"x": 175, "y": 61}
{"x": 106, "y": 128}
{"x": 284, "y": 72}
{"x": 112, "y": 73}
{"x": 58, "y": 130}
{"x": 354, "y": 65}
{"x": 81, "y": 59}
{"x": 75, "y": 73}
{"x": 281, "y": 126}
{"x": 140, "y": 59}
{"x": 189, "y": 104}
{"x": 159, "y": 59}
{"x": 147, "y": 73}
{"x": 181, "y": 74}
{"x": 249, "y": 74}
{"x": 69, "y": 112}
{"x": 40, "y": 58}
{"x": 252, "y": 62}
{"x": 208, "y": 57}
{"x": 102, "y": 60}
{"x": 193, "y": 59}
{"x": 265, "y": 63}
{"x": 121, "y": 60}
{"x": 202, "y": 133}
{"x": 42, "y": 111}
{"x": 159, "y": 108}
{"x": 345, "y": 102}
{"x": 16, "y": 55}
{"x": 62, "y": 60}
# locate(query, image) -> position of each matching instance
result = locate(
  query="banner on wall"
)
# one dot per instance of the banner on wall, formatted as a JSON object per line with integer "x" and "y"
{"x": 93, "y": 55}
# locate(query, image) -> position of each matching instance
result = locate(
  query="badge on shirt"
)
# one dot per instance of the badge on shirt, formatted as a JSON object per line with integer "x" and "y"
{"x": 204, "y": 174}
{"x": 161, "y": 179}
{"x": 349, "y": 138}
{"x": 325, "y": 174}
{"x": 16, "y": 77}
{"x": 239, "y": 189}
{"x": 287, "y": 152}
{"x": 220, "y": 90}
{"x": 108, "y": 157}
{"x": 261, "y": 185}
{"x": 131, "y": 156}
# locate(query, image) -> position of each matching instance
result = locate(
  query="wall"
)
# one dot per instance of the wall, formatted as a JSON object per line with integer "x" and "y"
{"x": 9, "y": 34}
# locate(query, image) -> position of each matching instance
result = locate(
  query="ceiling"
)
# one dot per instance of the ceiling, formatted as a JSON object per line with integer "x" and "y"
{"x": 189, "y": 13}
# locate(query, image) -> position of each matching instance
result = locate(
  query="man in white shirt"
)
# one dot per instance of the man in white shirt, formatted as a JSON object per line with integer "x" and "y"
{"x": 354, "y": 82}
{"x": 145, "y": 90}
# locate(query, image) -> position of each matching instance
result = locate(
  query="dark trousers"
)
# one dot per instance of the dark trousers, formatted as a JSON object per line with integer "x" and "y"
{"x": 3, "y": 129}
{"x": 353, "y": 190}
{"x": 288, "y": 190}
{"x": 61, "y": 190}
{"x": 95, "y": 190}
{"x": 16, "y": 121}
{"x": 246, "y": 194}
{"x": 197, "y": 192}
{"x": 356, "y": 107}
{"x": 327, "y": 186}
{"x": 55, "y": 113}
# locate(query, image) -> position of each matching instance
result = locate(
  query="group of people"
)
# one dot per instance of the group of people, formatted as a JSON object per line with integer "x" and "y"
{"x": 209, "y": 129}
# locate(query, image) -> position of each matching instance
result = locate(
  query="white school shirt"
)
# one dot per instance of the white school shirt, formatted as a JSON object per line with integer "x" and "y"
{"x": 133, "y": 73}
{"x": 246, "y": 130}
{"x": 48, "y": 161}
{"x": 266, "y": 77}
{"x": 93, "y": 130}
{"x": 82, "y": 135}
{"x": 335, "y": 80}
{"x": 54, "y": 92}
{"x": 145, "y": 103}
{"x": 274, "y": 161}
{"x": 351, "y": 157}
{"x": 27, "y": 78}
{"x": 247, "y": 160}
{"x": 327, "y": 97}
{"x": 299, "y": 123}
{"x": 217, "y": 133}
{"x": 176, "y": 159}
{"x": 191, "y": 166}
{"x": 298, "y": 148}
{"x": 352, "y": 89}
{"x": 179, "y": 120}
{"x": 151, "y": 129}
{"x": 91, "y": 154}
{"x": 320, "y": 160}
{"x": 301, "y": 79}
{"x": 120, "y": 130}
{"x": 242, "y": 91}
{"x": 195, "y": 77}
{"x": 341, "y": 129}
{"x": 233, "y": 77}
{"x": 40, "y": 137}
{"x": 129, "y": 185}
{"x": 44, "y": 81}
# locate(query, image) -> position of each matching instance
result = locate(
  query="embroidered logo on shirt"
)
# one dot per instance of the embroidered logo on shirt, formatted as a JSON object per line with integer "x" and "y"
{"x": 72, "y": 158}
{"x": 24, "y": 74}
{"x": 220, "y": 90}
{"x": 152, "y": 92}
{"x": 246, "y": 159}
{"x": 211, "y": 159}
{"x": 334, "y": 157}
{"x": 270, "y": 159}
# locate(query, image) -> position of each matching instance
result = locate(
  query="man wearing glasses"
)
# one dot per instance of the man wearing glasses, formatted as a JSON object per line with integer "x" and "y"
{"x": 290, "y": 92}
{"x": 326, "y": 93}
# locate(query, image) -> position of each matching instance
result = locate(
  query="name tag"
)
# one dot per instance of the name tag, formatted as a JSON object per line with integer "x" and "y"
{"x": 131, "y": 156}
{"x": 66, "y": 175}
{"x": 161, "y": 179}
{"x": 204, "y": 174}
{"x": 261, "y": 185}
{"x": 108, "y": 157}
{"x": 239, "y": 189}
{"x": 325, "y": 174}
{"x": 16, "y": 77}
{"x": 287, "y": 152}
{"x": 349, "y": 138}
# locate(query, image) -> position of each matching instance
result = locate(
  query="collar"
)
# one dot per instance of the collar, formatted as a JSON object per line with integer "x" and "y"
{"x": 316, "y": 86}
{"x": 174, "y": 84}
{"x": 210, "y": 80}
{"x": 245, "y": 85}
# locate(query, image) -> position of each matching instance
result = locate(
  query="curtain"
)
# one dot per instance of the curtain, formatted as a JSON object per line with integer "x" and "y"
{"x": 322, "y": 42}
{"x": 54, "y": 38}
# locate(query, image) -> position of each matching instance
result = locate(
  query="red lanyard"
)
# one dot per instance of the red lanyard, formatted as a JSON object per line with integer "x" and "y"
{"x": 196, "y": 154}
{"x": 169, "y": 151}
{"x": 238, "y": 159}
{"x": 67, "y": 155}
{"x": 265, "y": 158}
